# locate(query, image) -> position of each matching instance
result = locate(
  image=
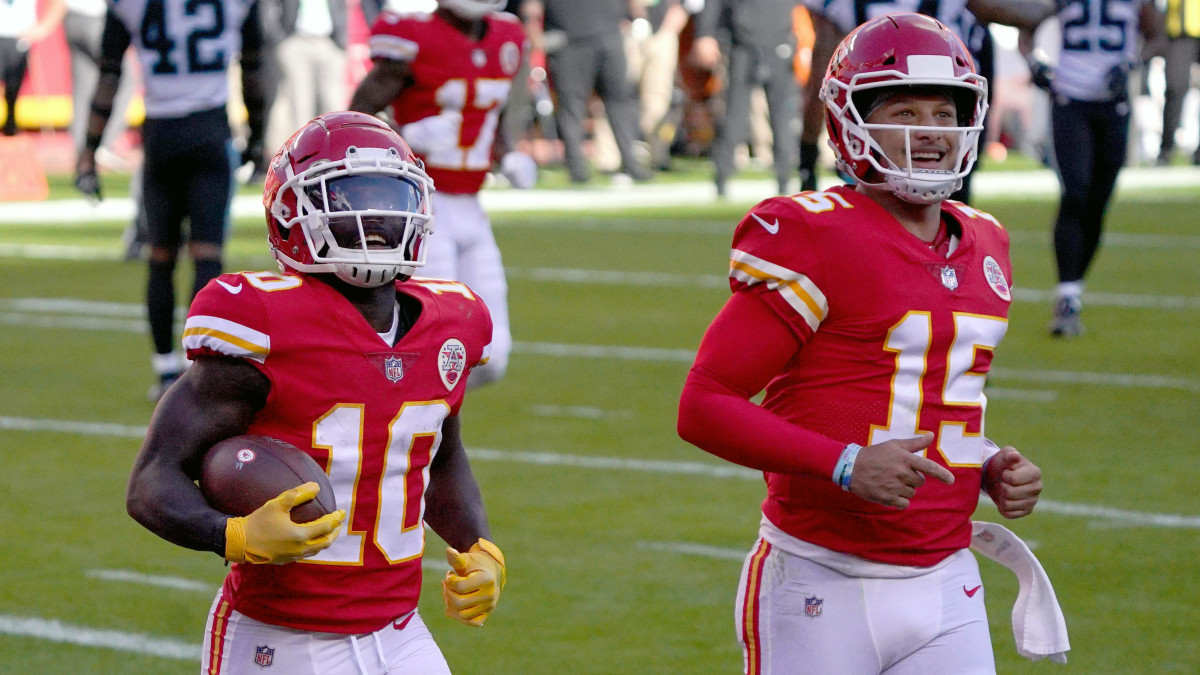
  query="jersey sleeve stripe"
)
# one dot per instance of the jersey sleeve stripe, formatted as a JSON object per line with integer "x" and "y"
{"x": 225, "y": 337}
{"x": 392, "y": 47}
{"x": 797, "y": 289}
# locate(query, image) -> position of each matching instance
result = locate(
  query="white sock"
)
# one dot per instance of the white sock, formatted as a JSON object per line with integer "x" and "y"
{"x": 167, "y": 364}
{"x": 1069, "y": 289}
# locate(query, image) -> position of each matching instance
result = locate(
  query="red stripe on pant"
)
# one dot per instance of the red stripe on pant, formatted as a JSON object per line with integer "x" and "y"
{"x": 217, "y": 638}
{"x": 752, "y": 642}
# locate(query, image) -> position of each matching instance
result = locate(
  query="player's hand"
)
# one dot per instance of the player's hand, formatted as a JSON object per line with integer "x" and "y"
{"x": 86, "y": 180}
{"x": 1041, "y": 73}
{"x": 520, "y": 169}
{"x": 269, "y": 536}
{"x": 433, "y": 134}
{"x": 1013, "y": 482}
{"x": 472, "y": 587}
{"x": 889, "y": 473}
{"x": 253, "y": 163}
{"x": 706, "y": 52}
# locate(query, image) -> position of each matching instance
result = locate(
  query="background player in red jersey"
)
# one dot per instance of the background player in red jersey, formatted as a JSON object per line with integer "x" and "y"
{"x": 869, "y": 315}
{"x": 444, "y": 78}
{"x": 346, "y": 357}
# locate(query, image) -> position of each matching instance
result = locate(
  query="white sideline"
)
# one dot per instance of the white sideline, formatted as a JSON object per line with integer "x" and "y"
{"x": 703, "y": 469}
{"x": 1031, "y": 184}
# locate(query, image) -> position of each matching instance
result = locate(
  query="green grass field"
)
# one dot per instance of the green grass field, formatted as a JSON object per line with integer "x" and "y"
{"x": 624, "y": 543}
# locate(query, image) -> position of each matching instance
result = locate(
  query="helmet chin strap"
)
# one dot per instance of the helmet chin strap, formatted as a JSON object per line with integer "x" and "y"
{"x": 364, "y": 275}
{"x": 917, "y": 191}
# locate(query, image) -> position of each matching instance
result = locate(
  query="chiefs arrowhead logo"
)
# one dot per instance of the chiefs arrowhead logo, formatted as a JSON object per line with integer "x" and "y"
{"x": 452, "y": 362}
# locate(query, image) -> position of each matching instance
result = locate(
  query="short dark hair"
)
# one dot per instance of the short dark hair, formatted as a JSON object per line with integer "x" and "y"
{"x": 868, "y": 101}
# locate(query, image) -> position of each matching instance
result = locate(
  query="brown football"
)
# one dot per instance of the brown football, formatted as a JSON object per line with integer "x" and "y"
{"x": 242, "y": 473}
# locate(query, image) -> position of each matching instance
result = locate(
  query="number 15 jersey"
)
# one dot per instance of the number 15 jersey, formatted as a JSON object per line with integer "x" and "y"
{"x": 369, "y": 413}
{"x": 896, "y": 341}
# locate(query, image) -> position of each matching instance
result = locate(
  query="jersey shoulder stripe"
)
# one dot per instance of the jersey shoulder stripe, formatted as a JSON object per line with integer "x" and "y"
{"x": 392, "y": 47}
{"x": 212, "y": 333}
{"x": 795, "y": 288}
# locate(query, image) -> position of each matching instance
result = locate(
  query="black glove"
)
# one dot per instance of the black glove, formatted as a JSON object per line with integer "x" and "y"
{"x": 1041, "y": 73}
{"x": 1118, "y": 83}
{"x": 253, "y": 155}
{"x": 88, "y": 183}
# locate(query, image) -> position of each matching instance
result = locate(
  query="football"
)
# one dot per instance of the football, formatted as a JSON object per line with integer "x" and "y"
{"x": 242, "y": 473}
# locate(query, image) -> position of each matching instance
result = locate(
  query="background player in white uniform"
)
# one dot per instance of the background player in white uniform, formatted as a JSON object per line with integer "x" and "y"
{"x": 869, "y": 315}
{"x": 185, "y": 49}
{"x": 444, "y": 78}
{"x": 1102, "y": 41}
{"x": 346, "y": 358}
{"x": 834, "y": 19}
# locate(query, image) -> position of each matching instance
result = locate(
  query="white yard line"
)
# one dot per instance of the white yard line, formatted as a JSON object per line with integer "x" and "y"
{"x": 53, "y": 630}
{"x": 702, "y": 469}
{"x": 627, "y": 353}
{"x": 156, "y": 580}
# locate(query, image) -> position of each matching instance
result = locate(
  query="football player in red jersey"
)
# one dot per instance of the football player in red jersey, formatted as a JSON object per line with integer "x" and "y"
{"x": 444, "y": 79}
{"x": 344, "y": 356}
{"x": 869, "y": 314}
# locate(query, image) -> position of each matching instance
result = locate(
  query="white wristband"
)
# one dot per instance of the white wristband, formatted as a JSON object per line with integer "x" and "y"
{"x": 844, "y": 469}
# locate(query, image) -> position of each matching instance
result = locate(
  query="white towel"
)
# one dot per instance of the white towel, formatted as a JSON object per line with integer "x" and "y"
{"x": 1037, "y": 620}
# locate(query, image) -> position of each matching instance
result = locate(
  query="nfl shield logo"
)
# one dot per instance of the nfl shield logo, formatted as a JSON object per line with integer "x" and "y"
{"x": 264, "y": 656}
{"x": 949, "y": 278}
{"x": 393, "y": 368}
{"x": 812, "y": 606}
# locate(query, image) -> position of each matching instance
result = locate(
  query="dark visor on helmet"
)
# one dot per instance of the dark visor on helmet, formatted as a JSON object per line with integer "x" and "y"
{"x": 366, "y": 192}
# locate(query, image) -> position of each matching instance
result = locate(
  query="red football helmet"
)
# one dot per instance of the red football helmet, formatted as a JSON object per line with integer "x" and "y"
{"x": 346, "y": 195}
{"x": 894, "y": 50}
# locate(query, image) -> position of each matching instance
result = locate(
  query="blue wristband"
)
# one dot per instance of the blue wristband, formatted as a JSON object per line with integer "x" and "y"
{"x": 844, "y": 469}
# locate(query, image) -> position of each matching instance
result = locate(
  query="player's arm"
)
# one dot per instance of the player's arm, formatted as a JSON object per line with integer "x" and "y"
{"x": 1152, "y": 25}
{"x": 50, "y": 15}
{"x": 113, "y": 43}
{"x": 706, "y": 51}
{"x": 1023, "y": 14}
{"x": 454, "y": 509}
{"x": 216, "y": 398}
{"x": 387, "y": 80}
{"x": 256, "y": 90}
{"x": 746, "y": 345}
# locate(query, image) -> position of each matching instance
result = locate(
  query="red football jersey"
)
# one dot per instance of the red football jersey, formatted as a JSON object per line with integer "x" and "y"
{"x": 459, "y": 88}
{"x": 369, "y": 413}
{"x": 897, "y": 340}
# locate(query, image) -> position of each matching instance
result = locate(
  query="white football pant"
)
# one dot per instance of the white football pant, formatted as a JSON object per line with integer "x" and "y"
{"x": 239, "y": 645}
{"x": 795, "y": 616}
{"x": 463, "y": 248}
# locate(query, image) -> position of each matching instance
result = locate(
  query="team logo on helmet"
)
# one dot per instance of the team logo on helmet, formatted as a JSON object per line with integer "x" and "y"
{"x": 812, "y": 606}
{"x": 995, "y": 278}
{"x": 452, "y": 361}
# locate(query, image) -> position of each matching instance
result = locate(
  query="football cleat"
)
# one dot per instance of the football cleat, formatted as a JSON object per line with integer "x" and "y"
{"x": 1066, "y": 322}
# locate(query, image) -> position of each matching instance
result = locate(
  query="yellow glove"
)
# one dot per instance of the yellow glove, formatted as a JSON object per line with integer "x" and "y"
{"x": 472, "y": 587}
{"x": 268, "y": 535}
